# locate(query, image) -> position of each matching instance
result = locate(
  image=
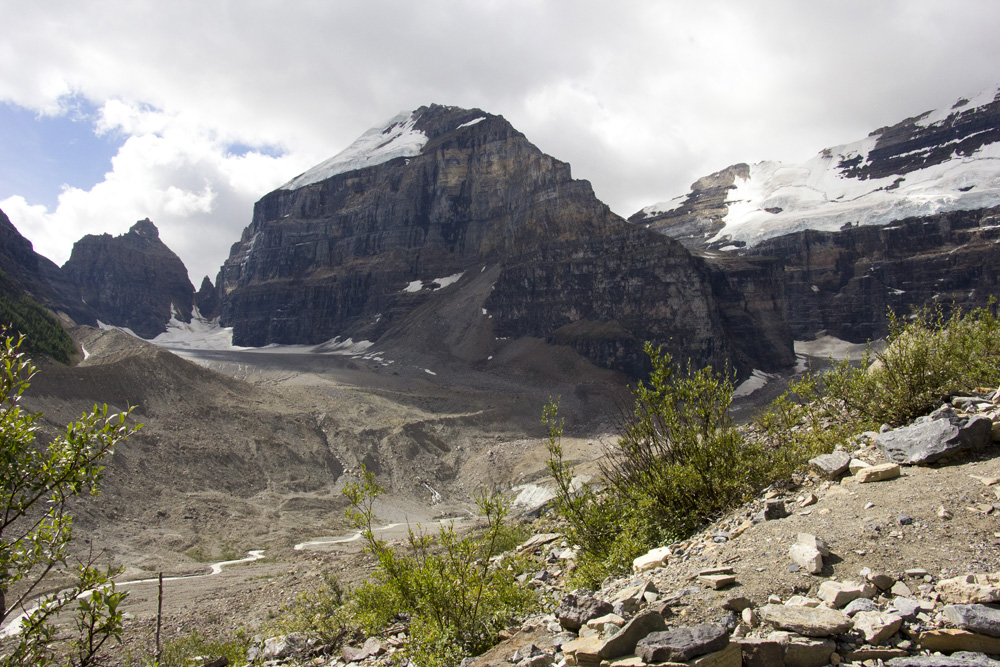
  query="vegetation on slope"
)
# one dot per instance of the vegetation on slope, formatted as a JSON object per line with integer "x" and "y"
{"x": 24, "y": 316}
{"x": 680, "y": 461}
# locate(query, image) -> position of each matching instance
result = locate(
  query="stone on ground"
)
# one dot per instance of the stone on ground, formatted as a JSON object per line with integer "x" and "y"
{"x": 809, "y": 621}
{"x": 683, "y": 643}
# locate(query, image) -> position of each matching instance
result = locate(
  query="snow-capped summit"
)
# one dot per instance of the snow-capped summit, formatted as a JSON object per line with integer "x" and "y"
{"x": 935, "y": 162}
{"x": 396, "y": 138}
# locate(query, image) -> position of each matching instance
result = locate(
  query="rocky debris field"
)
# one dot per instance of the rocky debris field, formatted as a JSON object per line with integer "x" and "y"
{"x": 866, "y": 559}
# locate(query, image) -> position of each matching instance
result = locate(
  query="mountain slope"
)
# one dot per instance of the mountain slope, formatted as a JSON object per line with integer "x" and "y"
{"x": 932, "y": 163}
{"x": 439, "y": 195}
{"x": 132, "y": 280}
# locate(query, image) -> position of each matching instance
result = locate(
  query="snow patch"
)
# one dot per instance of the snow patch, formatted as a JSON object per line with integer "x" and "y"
{"x": 419, "y": 285}
{"x": 471, "y": 122}
{"x": 664, "y": 206}
{"x": 756, "y": 381}
{"x": 429, "y": 371}
{"x": 397, "y": 138}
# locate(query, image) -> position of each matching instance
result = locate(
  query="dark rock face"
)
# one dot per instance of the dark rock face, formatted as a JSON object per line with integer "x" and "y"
{"x": 132, "y": 280}
{"x": 844, "y": 282}
{"x": 349, "y": 255}
{"x": 207, "y": 300}
{"x": 28, "y": 272}
{"x": 940, "y": 436}
{"x": 700, "y": 215}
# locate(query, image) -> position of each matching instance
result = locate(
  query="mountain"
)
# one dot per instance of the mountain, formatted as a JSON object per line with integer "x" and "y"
{"x": 905, "y": 217}
{"x": 453, "y": 206}
{"x": 133, "y": 280}
{"x": 27, "y": 272}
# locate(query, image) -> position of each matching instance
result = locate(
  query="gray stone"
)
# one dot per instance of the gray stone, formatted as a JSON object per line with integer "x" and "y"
{"x": 682, "y": 644}
{"x": 958, "y": 659}
{"x": 809, "y": 621}
{"x": 574, "y": 611}
{"x": 832, "y": 465}
{"x": 773, "y": 509}
{"x": 906, "y": 607}
{"x": 284, "y": 646}
{"x": 625, "y": 641}
{"x": 980, "y": 618}
{"x": 928, "y": 440}
{"x": 860, "y": 604}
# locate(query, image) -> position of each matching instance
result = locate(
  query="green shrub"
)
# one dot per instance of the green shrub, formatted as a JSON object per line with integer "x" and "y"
{"x": 42, "y": 333}
{"x": 927, "y": 359}
{"x": 679, "y": 462}
{"x": 457, "y": 599}
{"x": 36, "y": 481}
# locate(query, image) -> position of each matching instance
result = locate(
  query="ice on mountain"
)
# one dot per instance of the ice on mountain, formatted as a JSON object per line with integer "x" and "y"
{"x": 397, "y": 138}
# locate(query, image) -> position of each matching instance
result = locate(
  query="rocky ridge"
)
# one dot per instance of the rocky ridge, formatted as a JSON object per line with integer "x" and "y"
{"x": 357, "y": 246}
{"x": 28, "y": 272}
{"x": 904, "y": 218}
{"x": 907, "y": 574}
{"x": 133, "y": 280}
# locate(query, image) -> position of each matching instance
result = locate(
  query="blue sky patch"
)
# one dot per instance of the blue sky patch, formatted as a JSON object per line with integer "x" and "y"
{"x": 38, "y": 154}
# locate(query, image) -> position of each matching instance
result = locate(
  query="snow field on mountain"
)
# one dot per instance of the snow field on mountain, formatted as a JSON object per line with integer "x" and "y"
{"x": 816, "y": 195}
{"x": 397, "y": 138}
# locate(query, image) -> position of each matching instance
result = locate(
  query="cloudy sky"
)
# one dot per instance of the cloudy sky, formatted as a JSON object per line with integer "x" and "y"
{"x": 189, "y": 111}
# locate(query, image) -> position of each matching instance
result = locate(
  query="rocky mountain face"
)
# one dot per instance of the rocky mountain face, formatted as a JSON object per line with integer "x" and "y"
{"x": 415, "y": 211}
{"x": 132, "y": 280}
{"x": 28, "y": 272}
{"x": 902, "y": 218}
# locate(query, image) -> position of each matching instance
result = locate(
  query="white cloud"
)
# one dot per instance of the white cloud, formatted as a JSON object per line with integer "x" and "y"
{"x": 642, "y": 97}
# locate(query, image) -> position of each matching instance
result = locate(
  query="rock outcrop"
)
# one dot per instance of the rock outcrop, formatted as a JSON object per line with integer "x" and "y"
{"x": 27, "y": 272}
{"x": 417, "y": 210}
{"x": 133, "y": 280}
{"x": 906, "y": 217}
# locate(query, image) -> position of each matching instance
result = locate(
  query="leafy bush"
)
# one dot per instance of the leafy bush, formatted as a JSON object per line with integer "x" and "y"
{"x": 679, "y": 461}
{"x": 35, "y": 533}
{"x": 457, "y": 599}
{"x": 927, "y": 359}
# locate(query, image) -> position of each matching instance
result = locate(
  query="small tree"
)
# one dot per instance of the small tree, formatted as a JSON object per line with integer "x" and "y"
{"x": 36, "y": 482}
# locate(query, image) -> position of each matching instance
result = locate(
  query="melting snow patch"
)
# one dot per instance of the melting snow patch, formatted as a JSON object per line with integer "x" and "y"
{"x": 434, "y": 284}
{"x": 429, "y": 371}
{"x": 471, "y": 122}
{"x": 397, "y": 138}
{"x": 757, "y": 380}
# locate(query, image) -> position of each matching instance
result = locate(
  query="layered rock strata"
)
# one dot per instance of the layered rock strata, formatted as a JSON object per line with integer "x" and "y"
{"x": 350, "y": 247}
{"x": 133, "y": 280}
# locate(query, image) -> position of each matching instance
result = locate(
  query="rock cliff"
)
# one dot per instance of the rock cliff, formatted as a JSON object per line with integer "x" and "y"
{"x": 132, "y": 280}
{"x": 440, "y": 195}
{"x": 906, "y": 217}
{"x": 28, "y": 272}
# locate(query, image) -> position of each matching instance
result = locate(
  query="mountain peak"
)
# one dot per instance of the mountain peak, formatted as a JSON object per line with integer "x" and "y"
{"x": 403, "y": 136}
{"x": 145, "y": 228}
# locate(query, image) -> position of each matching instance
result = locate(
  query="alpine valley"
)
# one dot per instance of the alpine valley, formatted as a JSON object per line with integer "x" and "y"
{"x": 412, "y": 303}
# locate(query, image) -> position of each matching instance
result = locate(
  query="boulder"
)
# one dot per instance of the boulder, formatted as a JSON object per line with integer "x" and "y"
{"x": 877, "y": 626}
{"x": 624, "y": 642}
{"x": 931, "y": 439}
{"x": 838, "y": 593}
{"x": 683, "y": 643}
{"x": 831, "y": 465}
{"x": 759, "y": 652}
{"x": 809, "y": 621}
{"x": 574, "y": 611}
{"x": 877, "y": 473}
{"x": 969, "y": 589}
{"x": 807, "y": 557}
{"x": 651, "y": 559}
{"x": 975, "y": 618}
{"x": 948, "y": 640}
{"x": 959, "y": 659}
{"x": 804, "y": 651}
